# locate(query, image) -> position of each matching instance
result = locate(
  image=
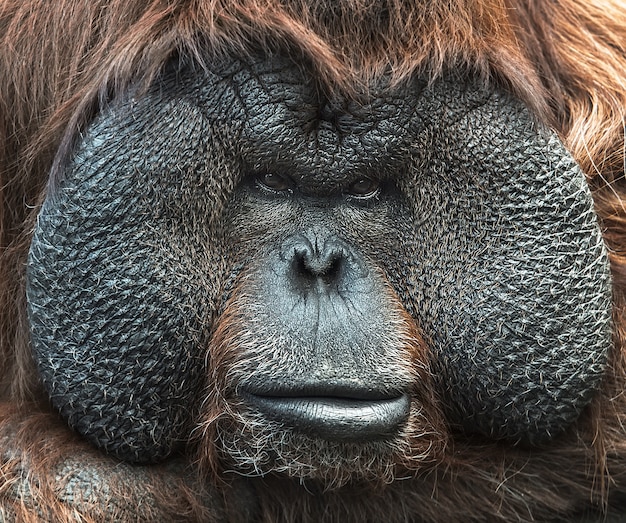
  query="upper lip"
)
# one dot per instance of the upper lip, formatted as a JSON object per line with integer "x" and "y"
{"x": 323, "y": 391}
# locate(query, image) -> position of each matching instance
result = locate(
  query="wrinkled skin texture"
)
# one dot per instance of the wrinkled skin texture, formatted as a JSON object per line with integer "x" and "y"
{"x": 326, "y": 287}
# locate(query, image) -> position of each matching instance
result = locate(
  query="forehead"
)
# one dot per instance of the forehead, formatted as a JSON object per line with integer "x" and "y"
{"x": 280, "y": 120}
{"x": 238, "y": 117}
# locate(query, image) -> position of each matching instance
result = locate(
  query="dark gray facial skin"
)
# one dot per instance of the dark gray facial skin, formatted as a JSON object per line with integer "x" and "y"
{"x": 477, "y": 219}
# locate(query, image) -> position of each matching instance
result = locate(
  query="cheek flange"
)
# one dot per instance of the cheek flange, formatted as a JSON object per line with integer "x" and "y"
{"x": 115, "y": 346}
{"x": 513, "y": 278}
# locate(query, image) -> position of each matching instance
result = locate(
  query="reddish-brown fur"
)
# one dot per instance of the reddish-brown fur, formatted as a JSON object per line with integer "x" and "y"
{"x": 565, "y": 58}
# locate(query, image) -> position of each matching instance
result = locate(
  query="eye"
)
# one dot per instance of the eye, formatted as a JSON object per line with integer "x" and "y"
{"x": 364, "y": 187}
{"x": 273, "y": 181}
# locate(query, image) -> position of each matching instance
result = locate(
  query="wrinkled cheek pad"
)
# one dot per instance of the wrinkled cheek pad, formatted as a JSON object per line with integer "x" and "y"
{"x": 111, "y": 330}
{"x": 522, "y": 349}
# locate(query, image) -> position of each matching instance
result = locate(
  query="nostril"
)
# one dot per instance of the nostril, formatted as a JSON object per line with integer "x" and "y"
{"x": 327, "y": 266}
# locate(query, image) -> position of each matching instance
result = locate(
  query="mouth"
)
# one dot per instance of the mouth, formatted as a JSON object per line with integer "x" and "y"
{"x": 343, "y": 415}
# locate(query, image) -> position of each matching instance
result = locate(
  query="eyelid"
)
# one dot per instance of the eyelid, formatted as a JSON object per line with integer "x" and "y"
{"x": 374, "y": 191}
{"x": 261, "y": 180}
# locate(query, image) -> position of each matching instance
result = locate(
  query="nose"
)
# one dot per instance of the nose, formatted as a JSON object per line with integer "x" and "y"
{"x": 314, "y": 259}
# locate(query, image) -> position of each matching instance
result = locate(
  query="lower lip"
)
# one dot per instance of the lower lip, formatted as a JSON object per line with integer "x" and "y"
{"x": 343, "y": 419}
